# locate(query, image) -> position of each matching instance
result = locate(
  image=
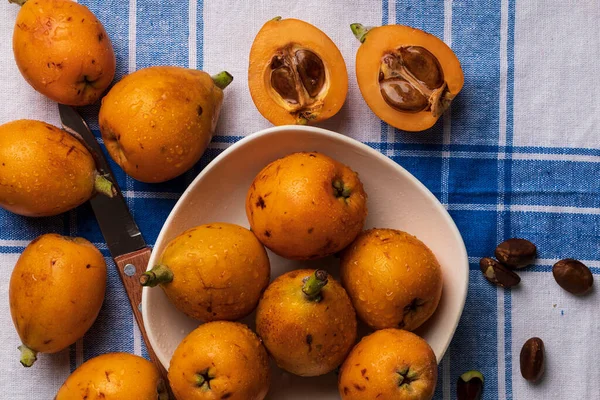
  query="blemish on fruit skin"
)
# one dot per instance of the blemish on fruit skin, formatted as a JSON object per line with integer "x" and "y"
{"x": 310, "y": 230}
{"x": 227, "y": 395}
{"x": 261, "y": 203}
{"x": 268, "y": 233}
{"x": 346, "y": 390}
{"x": 309, "y": 340}
{"x": 358, "y": 387}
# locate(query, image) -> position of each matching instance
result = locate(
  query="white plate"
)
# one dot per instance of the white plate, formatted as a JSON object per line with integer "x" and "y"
{"x": 396, "y": 200}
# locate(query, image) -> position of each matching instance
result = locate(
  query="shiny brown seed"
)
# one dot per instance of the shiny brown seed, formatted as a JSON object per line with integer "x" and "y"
{"x": 573, "y": 276}
{"x": 423, "y": 65}
{"x": 402, "y": 96}
{"x": 516, "y": 253}
{"x": 497, "y": 273}
{"x": 469, "y": 386}
{"x": 311, "y": 71}
{"x": 532, "y": 359}
{"x": 282, "y": 80}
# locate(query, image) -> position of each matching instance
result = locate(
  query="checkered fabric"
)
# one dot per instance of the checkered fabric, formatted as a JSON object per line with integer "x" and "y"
{"x": 518, "y": 155}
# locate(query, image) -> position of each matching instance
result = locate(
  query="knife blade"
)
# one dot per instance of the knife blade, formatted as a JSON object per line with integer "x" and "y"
{"x": 122, "y": 235}
{"x": 118, "y": 227}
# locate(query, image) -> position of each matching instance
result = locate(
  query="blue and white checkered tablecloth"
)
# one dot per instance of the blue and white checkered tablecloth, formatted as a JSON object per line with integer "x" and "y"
{"x": 518, "y": 155}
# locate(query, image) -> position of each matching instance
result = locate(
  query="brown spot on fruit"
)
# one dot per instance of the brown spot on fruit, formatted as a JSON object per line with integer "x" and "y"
{"x": 47, "y": 341}
{"x": 261, "y": 203}
{"x": 358, "y": 387}
{"x": 227, "y": 395}
{"x": 71, "y": 150}
{"x": 310, "y": 230}
{"x": 268, "y": 233}
{"x": 88, "y": 266}
{"x": 100, "y": 36}
{"x": 363, "y": 371}
{"x": 309, "y": 340}
{"x": 346, "y": 390}
{"x": 199, "y": 110}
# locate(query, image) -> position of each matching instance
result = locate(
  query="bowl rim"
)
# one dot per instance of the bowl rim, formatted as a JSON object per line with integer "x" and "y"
{"x": 336, "y": 137}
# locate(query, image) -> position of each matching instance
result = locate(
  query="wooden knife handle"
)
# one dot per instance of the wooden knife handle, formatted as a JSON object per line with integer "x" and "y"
{"x": 131, "y": 266}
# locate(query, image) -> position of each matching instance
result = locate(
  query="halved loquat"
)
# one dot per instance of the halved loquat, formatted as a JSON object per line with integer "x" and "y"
{"x": 296, "y": 74}
{"x": 407, "y": 77}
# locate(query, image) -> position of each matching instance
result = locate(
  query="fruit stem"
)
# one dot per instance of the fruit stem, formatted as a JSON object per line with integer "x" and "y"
{"x": 222, "y": 79}
{"x": 314, "y": 284}
{"x": 467, "y": 376}
{"x": 360, "y": 31}
{"x": 104, "y": 186}
{"x": 157, "y": 275}
{"x": 19, "y": 2}
{"x": 277, "y": 18}
{"x": 28, "y": 356}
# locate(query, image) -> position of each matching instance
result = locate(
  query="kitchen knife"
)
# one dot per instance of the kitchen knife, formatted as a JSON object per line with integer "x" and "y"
{"x": 123, "y": 237}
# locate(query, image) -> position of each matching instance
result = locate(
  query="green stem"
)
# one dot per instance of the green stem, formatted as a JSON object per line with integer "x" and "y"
{"x": 19, "y": 2}
{"x": 360, "y": 31}
{"x": 467, "y": 376}
{"x": 222, "y": 79}
{"x": 157, "y": 275}
{"x": 314, "y": 284}
{"x": 278, "y": 18}
{"x": 28, "y": 356}
{"x": 104, "y": 186}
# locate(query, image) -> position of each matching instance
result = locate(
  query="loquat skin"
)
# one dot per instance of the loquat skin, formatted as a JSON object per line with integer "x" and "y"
{"x": 220, "y": 360}
{"x": 63, "y": 51}
{"x": 44, "y": 171}
{"x": 393, "y": 279}
{"x": 306, "y": 206}
{"x": 114, "y": 376}
{"x": 56, "y": 290}
{"x": 389, "y": 364}
{"x": 307, "y": 336}
{"x": 157, "y": 122}
{"x": 213, "y": 272}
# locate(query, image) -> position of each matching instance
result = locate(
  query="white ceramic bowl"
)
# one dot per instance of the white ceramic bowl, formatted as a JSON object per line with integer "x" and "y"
{"x": 396, "y": 200}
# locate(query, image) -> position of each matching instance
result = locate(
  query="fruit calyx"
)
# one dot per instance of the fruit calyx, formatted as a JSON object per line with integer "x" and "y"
{"x": 406, "y": 376}
{"x": 222, "y": 79}
{"x": 104, "y": 186}
{"x": 340, "y": 190}
{"x": 19, "y": 2}
{"x": 204, "y": 377}
{"x": 314, "y": 284}
{"x": 28, "y": 356}
{"x": 411, "y": 307}
{"x": 157, "y": 275}
{"x": 360, "y": 31}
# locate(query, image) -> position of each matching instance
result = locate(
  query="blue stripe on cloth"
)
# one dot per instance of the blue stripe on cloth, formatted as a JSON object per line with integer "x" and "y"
{"x": 475, "y": 343}
{"x": 200, "y": 34}
{"x": 476, "y": 42}
{"x": 162, "y": 33}
{"x": 569, "y": 181}
{"x": 508, "y": 354}
{"x": 495, "y": 148}
{"x": 508, "y": 180}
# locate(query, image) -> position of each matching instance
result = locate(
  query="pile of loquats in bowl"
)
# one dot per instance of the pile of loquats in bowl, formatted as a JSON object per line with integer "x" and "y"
{"x": 156, "y": 123}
